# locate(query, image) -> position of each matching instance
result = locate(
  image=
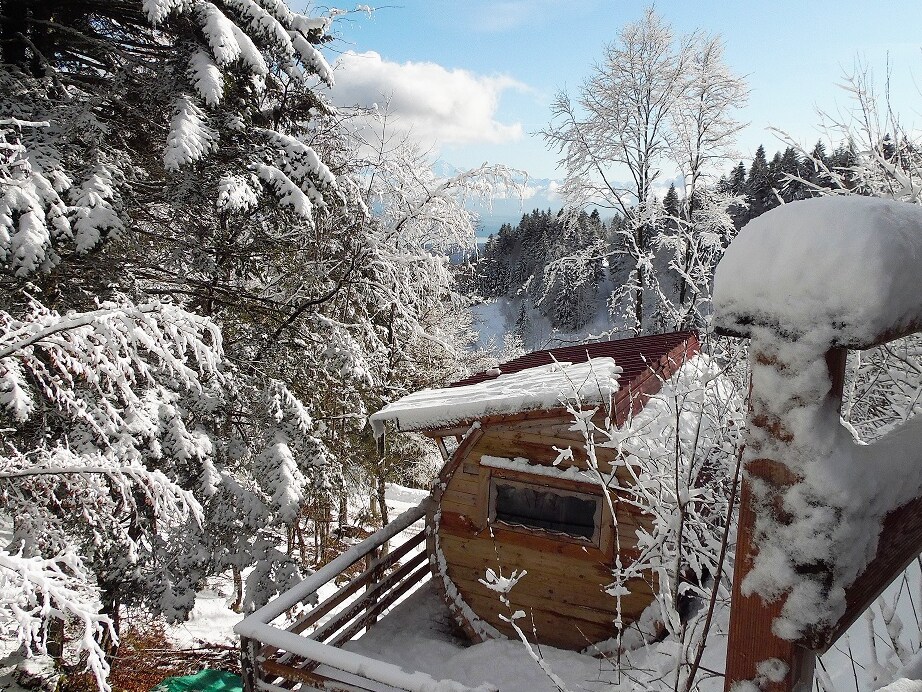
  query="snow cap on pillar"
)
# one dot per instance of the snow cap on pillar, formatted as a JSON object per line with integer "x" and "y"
{"x": 845, "y": 270}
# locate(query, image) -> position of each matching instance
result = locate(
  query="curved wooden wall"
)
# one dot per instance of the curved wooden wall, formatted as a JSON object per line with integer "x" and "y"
{"x": 563, "y": 593}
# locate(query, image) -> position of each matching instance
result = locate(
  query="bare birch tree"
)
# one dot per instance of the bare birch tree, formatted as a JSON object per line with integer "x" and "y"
{"x": 655, "y": 101}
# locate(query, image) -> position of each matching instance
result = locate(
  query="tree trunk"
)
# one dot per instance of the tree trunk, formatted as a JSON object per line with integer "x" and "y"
{"x": 237, "y": 605}
{"x": 640, "y": 243}
{"x": 638, "y": 302}
{"x": 110, "y": 603}
{"x": 382, "y": 504}
{"x": 343, "y": 517}
{"x": 55, "y": 642}
{"x": 373, "y": 502}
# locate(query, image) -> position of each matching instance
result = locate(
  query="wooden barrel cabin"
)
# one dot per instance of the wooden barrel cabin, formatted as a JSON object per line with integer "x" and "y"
{"x": 516, "y": 497}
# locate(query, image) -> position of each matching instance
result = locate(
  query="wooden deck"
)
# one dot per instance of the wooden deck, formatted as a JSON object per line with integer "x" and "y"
{"x": 280, "y": 657}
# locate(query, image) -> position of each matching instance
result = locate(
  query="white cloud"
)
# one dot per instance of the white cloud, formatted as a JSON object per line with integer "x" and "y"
{"x": 435, "y": 105}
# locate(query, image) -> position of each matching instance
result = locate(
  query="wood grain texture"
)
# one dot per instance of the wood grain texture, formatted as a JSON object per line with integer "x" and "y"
{"x": 566, "y": 575}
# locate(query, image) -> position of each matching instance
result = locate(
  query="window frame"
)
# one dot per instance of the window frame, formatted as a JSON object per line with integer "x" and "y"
{"x": 546, "y": 487}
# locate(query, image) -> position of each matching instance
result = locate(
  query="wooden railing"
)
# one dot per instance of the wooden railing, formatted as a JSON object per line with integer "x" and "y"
{"x": 278, "y": 657}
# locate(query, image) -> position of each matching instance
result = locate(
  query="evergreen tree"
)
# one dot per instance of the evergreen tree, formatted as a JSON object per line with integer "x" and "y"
{"x": 843, "y": 162}
{"x": 671, "y": 206}
{"x": 759, "y": 191}
{"x": 791, "y": 172}
{"x": 196, "y": 308}
{"x": 738, "y": 180}
{"x": 888, "y": 148}
{"x": 813, "y": 166}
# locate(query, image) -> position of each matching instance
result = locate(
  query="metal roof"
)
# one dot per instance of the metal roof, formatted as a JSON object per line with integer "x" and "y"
{"x": 634, "y": 356}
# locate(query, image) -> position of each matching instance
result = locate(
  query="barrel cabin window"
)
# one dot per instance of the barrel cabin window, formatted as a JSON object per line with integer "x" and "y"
{"x": 555, "y": 510}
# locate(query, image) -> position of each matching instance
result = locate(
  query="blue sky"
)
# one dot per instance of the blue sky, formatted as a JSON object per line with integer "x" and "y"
{"x": 475, "y": 78}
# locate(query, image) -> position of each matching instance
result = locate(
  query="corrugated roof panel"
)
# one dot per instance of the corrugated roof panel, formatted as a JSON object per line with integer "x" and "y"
{"x": 633, "y": 355}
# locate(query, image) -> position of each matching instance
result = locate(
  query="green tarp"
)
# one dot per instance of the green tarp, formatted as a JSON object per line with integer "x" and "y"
{"x": 203, "y": 681}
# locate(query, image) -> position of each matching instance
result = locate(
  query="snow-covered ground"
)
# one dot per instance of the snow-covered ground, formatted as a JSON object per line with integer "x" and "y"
{"x": 493, "y": 319}
{"x": 419, "y": 634}
{"x": 212, "y": 620}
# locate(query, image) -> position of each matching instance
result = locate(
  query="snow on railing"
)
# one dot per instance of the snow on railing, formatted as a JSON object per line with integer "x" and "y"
{"x": 275, "y": 656}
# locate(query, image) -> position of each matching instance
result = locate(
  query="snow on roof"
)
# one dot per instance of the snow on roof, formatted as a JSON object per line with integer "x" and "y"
{"x": 843, "y": 267}
{"x": 542, "y": 387}
{"x": 635, "y": 355}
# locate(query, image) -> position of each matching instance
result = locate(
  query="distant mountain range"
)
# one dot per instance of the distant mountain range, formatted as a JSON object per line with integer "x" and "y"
{"x": 540, "y": 193}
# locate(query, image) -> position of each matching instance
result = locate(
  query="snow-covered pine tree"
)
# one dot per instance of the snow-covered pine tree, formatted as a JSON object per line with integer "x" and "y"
{"x": 100, "y": 411}
{"x": 146, "y": 124}
{"x": 759, "y": 192}
{"x": 141, "y": 102}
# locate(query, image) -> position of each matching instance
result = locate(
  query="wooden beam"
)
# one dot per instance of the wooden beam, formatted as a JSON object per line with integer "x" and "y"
{"x": 376, "y": 596}
{"x": 363, "y": 579}
{"x": 899, "y": 544}
{"x": 751, "y": 638}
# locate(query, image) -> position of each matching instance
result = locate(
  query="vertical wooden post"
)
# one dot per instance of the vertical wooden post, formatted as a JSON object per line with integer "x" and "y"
{"x": 751, "y": 639}
{"x": 249, "y": 664}
{"x": 373, "y": 562}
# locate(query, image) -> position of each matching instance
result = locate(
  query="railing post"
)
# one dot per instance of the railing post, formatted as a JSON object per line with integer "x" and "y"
{"x": 374, "y": 563}
{"x": 249, "y": 664}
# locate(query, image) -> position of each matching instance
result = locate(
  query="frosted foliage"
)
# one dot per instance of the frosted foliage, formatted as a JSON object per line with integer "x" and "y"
{"x": 289, "y": 193}
{"x": 300, "y": 160}
{"x": 15, "y": 397}
{"x": 27, "y": 246}
{"x": 190, "y": 137}
{"x": 654, "y": 101}
{"x": 28, "y": 200}
{"x": 313, "y": 58}
{"x": 300, "y": 179}
{"x": 283, "y": 479}
{"x": 286, "y": 409}
{"x": 35, "y": 589}
{"x": 417, "y": 208}
{"x": 41, "y": 205}
{"x": 236, "y": 193}
{"x": 206, "y": 78}
{"x": 94, "y": 214}
{"x": 64, "y": 163}
{"x": 249, "y": 53}
{"x": 122, "y": 381}
{"x": 780, "y": 270}
{"x": 278, "y": 9}
{"x": 263, "y": 23}
{"x": 884, "y": 388}
{"x": 678, "y": 452}
{"x": 219, "y": 32}
{"x": 116, "y": 351}
{"x": 158, "y": 10}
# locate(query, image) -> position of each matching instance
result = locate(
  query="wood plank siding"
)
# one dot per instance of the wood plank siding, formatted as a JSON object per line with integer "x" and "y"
{"x": 563, "y": 591}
